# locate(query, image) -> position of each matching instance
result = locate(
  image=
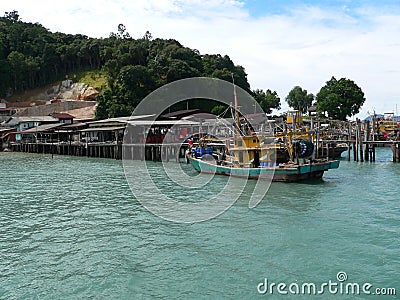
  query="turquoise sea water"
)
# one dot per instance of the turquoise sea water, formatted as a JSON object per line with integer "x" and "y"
{"x": 70, "y": 228}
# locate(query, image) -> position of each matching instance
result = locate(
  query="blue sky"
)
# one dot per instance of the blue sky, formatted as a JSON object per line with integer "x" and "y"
{"x": 281, "y": 44}
{"x": 259, "y": 8}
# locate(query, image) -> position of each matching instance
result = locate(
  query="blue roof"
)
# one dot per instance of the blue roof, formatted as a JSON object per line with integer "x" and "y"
{"x": 369, "y": 118}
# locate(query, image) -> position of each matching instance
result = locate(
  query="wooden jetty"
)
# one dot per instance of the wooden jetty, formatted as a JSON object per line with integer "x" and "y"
{"x": 154, "y": 151}
{"x": 361, "y": 137}
{"x": 109, "y": 138}
{"x": 104, "y": 139}
{"x": 81, "y": 149}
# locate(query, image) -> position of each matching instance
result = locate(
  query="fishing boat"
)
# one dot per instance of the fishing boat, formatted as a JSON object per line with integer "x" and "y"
{"x": 289, "y": 158}
{"x": 326, "y": 146}
{"x": 331, "y": 149}
{"x": 387, "y": 128}
{"x": 251, "y": 159}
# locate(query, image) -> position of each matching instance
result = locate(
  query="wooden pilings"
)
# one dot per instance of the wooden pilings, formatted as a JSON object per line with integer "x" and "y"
{"x": 363, "y": 144}
{"x": 348, "y": 151}
{"x": 154, "y": 152}
{"x": 396, "y": 152}
{"x": 366, "y": 138}
{"x": 362, "y": 139}
{"x": 99, "y": 150}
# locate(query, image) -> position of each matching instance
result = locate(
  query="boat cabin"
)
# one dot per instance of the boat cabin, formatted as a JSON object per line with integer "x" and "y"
{"x": 294, "y": 115}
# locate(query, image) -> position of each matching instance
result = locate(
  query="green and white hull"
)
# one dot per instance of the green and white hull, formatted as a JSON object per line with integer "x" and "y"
{"x": 281, "y": 173}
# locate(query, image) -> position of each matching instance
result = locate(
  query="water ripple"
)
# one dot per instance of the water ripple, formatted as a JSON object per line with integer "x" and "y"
{"x": 70, "y": 228}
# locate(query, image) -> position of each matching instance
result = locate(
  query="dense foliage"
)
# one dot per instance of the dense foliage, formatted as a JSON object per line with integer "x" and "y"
{"x": 268, "y": 100}
{"x": 340, "y": 99}
{"x": 31, "y": 56}
{"x": 299, "y": 99}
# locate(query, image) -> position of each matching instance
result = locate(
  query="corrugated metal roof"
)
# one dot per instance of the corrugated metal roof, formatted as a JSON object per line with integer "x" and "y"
{"x": 103, "y": 128}
{"x": 183, "y": 113}
{"x": 75, "y": 125}
{"x": 41, "y": 128}
{"x": 6, "y": 130}
{"x": 162, "y": 122}
{"x": 34, "y": 119}
{"x": 121, "y": 119}
{"x": 62, "y": 116}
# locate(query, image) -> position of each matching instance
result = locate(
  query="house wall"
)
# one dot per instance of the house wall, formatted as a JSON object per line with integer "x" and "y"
{"x": 65, "y": 121}
{"x": 26, "y": 125}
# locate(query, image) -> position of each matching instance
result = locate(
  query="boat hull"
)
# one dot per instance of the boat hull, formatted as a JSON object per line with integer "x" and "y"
{"x": 283, "y": 173}
{"x": 333, "y": 153}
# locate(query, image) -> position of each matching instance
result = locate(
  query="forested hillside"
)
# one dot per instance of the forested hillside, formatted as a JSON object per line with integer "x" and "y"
{"x": 31, "y": 56}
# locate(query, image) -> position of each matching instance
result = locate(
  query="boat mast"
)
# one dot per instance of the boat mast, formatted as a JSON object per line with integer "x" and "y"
{"x": 236, "y": 106}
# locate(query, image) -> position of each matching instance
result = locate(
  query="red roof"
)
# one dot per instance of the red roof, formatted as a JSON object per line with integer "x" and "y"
{"x": 62, "y": 116}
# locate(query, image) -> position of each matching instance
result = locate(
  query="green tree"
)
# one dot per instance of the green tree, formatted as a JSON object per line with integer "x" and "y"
{"x": 218, "y": 109}
{"x": 179, "y": 69}
{"x": 13, "y": 16}
{"x": 340, "y": 99}
{"x": 31, "y": 56}
{"x": 113, "y": 104}
{"x": 299, "y": 99}
{"x": 138, "y": 52}
{"x": 147, "y": 36}
{"x": 121, "y": 34}
{"x": 17, "y": 64}
{"x": 6, "y": 80}
{"x": 111, "y": 68}
{"x": 102, "y": 104}
{"x": 222, "y": 67}
{"x": 191, "y": 57}
{"x": 31, "y": 67}
{"x": 268, "y": 100}
{"x": 136, "y": 83}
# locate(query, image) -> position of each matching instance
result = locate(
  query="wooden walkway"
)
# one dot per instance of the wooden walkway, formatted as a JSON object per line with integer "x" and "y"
{"x": 154, "y": 152}
{"x": 365, "y": 150}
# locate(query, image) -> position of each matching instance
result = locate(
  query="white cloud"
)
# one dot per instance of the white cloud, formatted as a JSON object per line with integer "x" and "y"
{"x": 304, "y": 47}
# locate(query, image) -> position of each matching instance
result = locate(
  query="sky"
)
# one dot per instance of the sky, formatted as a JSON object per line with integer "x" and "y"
{"x": 280, "y": 43}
